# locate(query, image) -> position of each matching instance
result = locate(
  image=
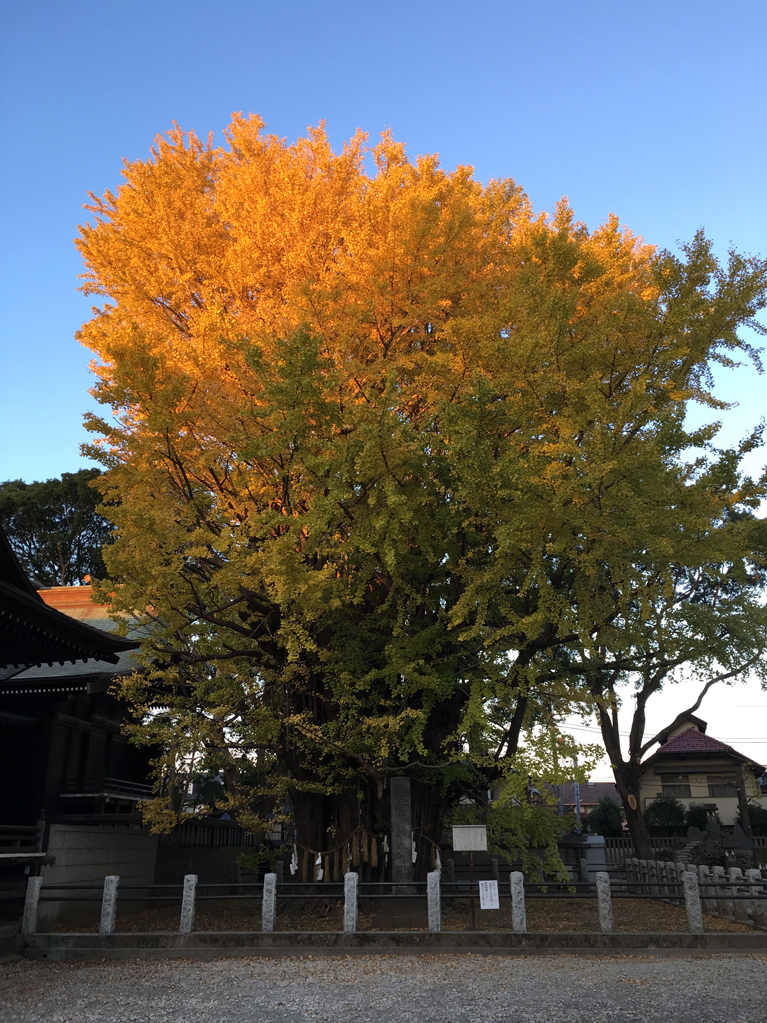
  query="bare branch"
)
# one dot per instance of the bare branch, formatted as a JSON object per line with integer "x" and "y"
{"x": 680, "y": 718}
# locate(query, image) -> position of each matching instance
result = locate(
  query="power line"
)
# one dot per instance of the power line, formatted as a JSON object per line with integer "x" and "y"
{"x": 595, "y": 730}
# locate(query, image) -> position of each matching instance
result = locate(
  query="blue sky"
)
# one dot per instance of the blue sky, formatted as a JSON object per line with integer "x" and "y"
{"x": 653, "y": 110}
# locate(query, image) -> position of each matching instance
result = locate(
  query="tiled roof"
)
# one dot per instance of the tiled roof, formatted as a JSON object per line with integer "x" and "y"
{"x": 32, "y": 632}
{"x": 591, "y": 792}
{"x": 691, "y": 742}
{"x": 76, "y": 602}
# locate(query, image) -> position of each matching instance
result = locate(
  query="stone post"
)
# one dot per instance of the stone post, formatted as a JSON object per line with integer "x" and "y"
{"x": 584, "y": 865}
{"x": 351, "y": 887}
{"x": 725, "y": 904}
{"x": 652, "y": 873}
{"x": 681, "y": 870}
{"x": 401, "y": 831}
{"x": 644, "y": 876}
{"x": 494, "y": 868}
{"x": 704, "y": 876}
{"x": 759, "y": 900}
{"x": 518, "y": 914}
{"x": 31, "y": 906}
{"x": 109, "y": 904}
{"x": 739, "y": 906}
{"x": 269, "y": 903}
{"x": 187, "y": 904}
{"x": 692, "y": 902}
{"x": 604, "y": 902}
{"x": 664, "y": 869}
{"x": 433, "y": 901}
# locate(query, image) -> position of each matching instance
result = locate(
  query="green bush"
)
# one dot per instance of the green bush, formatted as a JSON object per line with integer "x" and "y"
{"x": 605, "y": 819}
{"x": 264, "y": 856}
{"x": 697, "y": 816}
{"x": 665, "y": 817}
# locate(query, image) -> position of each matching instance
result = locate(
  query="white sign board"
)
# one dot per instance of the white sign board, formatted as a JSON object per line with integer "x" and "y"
{"x": 488, "y": 895}
{"x": 469, "y": 838}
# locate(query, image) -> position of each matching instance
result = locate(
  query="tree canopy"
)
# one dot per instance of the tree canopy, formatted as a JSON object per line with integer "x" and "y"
{"x": 54, "y": 528}
{"x": 390, "y": 458}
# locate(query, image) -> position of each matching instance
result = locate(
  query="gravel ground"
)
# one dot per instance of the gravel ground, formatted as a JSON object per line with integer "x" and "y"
{"x": 395, "y": 989}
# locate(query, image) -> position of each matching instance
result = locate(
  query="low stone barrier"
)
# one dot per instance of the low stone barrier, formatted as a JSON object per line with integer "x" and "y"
{"x": 728, "y": 894}
{"x": 743, "y": 899}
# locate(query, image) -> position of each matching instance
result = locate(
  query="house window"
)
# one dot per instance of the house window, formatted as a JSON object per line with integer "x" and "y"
{"x": 676, "y": 785}
{"x": 722, "y": 785}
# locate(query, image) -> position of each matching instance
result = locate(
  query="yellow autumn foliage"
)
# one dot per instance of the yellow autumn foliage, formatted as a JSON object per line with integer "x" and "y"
{"x": 385, "y": 445}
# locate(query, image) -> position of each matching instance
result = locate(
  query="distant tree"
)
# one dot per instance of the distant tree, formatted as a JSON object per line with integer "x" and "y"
{"x": 605, "y": 819}
{"x": 54, "y": 528}
{"x": 758, "y": 818}
{"x": 665, "y": 816}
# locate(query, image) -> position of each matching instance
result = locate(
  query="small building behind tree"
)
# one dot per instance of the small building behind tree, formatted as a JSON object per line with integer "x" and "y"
{"x": 694, "y": 768}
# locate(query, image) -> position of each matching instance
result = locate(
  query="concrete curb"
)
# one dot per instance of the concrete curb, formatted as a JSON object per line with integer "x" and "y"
{"x": 225, "y": 944}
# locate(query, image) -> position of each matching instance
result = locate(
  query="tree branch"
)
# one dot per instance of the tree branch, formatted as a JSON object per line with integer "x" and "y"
{"x": 680, "y": 718}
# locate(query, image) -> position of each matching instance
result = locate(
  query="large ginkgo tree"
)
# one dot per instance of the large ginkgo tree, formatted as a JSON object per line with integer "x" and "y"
{"x": 390, "y": 459}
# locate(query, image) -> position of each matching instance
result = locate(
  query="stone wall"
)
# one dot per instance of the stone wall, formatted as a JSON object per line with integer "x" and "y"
{"x": 85, "y": 855}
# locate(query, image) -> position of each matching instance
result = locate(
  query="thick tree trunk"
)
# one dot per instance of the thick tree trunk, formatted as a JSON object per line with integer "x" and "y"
{"x": 627, "y": 783}
{"x": 745, "y": 817}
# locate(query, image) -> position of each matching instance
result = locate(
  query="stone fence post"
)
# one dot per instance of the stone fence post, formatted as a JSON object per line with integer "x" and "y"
{"x": 759, "y": 900}
{"x": 188, "y": 904}
{"x": 709, "y": 905}
{"x": 269, "y": 903}
{"x": 109, "y": 904}
{"x": 739, "y": 906}
{"x": 518, "y": 913}
{"x": 652, "y": 869}
{"x": 725, "y": 904}
{"x": 584, "y": 868}
{"x": 433, "y": 901}
{"x": 351, "y": 887}
{"x": 31, "y": 906}
{"x": 666, "y": 875}
{"x": 604, "y": 902}
{"x": 677, "y": 871}
{"x": 692, "y": 902}
{"x": 636, "y": 874}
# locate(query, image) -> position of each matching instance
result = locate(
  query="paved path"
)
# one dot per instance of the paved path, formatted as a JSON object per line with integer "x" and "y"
{"x": 391, "y": 989}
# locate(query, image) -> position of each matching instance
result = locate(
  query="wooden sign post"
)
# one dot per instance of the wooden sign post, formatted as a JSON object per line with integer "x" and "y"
{"x": 470, "y": 838}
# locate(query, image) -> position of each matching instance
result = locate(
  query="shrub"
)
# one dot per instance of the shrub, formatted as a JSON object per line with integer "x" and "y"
{"x": 697, "y": 816}
{"x": 665, "y": 816}
{"x": 605, "y": 819}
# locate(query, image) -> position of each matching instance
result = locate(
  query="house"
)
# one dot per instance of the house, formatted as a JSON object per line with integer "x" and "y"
{"x": 590, "y": 793}
{"x": 693, "y": 767}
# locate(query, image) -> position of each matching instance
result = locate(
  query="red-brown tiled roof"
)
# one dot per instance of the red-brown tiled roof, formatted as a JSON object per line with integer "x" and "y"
{"x": 76, "y": 602}
{"x": 691, "y": 742}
